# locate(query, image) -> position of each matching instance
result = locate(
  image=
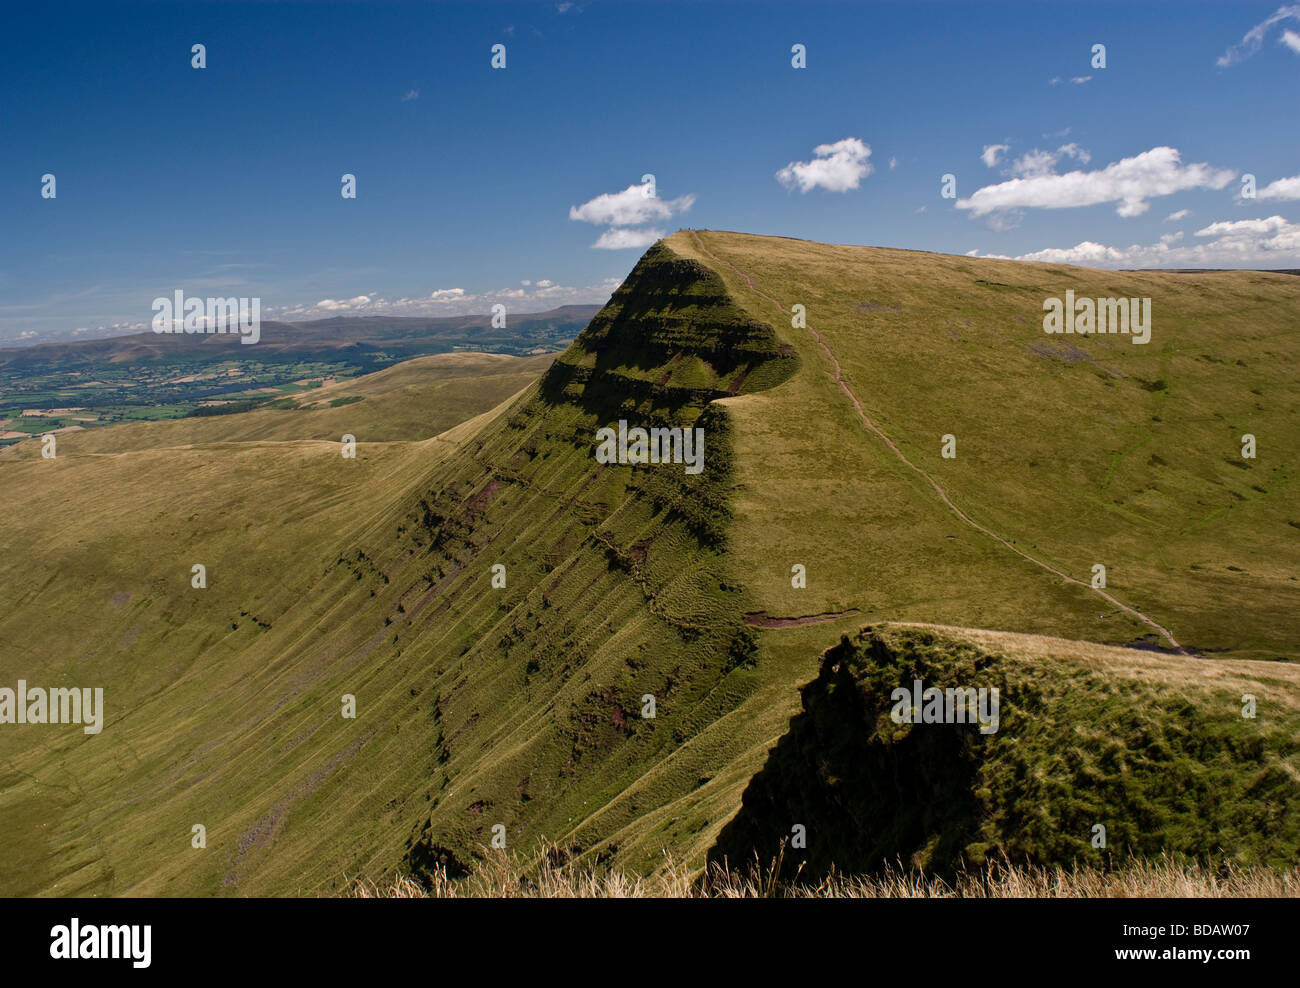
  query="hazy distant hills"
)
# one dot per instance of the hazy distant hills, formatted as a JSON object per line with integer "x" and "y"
{"x": 347, "y": 336}
{"x": 56, "y": 387}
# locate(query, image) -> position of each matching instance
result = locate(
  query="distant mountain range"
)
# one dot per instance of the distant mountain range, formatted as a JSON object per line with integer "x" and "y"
{"x": 403, "y": 336}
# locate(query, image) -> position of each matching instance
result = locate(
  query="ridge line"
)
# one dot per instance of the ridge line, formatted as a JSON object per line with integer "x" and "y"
{"x": 866, "y": 420}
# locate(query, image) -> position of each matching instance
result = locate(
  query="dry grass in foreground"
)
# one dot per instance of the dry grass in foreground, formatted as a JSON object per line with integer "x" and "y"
{"x": 499, "y": 876}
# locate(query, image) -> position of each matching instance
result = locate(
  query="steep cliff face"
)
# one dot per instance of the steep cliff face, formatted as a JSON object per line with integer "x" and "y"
{"x": 616, "y": 602}
{"x": 1083, "y": 740}
{"x": 671, "y": 337}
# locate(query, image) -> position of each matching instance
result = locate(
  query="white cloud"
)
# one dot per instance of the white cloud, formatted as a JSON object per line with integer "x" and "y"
{"x": 1251, "y": 41}
{"x": 1129, "y": 182}
{"x": 630, "y": 207}
{"x": 1282, "y": 233}
{"x": 331, "y": 304}
{"x": 619, "y": 210}
{"x": 618, "y": 238}
{"x": 1079, "y": 80}
{"x": 1291, "y": 40}
{"x": 1176, "y": 216}
{"x": 1266, "y": 243}
{"x": 991, "y": 152}
{"x": 545, "y": 283}
{"x": 1283, "y": 188}
{"x": 835, "y": 167}
{"x": 1034, "y": 163}
{"x": 410, "y": 94}
{"x": 445, "y": 302}
{"x": 893, "y": 163}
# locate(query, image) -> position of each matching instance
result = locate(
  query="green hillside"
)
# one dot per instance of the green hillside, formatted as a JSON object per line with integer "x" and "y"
{"x": 521, "y": 706}
{"x": 1077, "y": 450}
{"x": 1087, "y": 736}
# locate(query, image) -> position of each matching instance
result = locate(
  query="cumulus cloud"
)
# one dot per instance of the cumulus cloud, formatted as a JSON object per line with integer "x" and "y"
{"x": 1129, "y": 182}
{"x": 1178, "y": 215}
{"x": 1034, "y": 163}
{"x": 835, "y": 167}
{"x": 633, "y": 206}
{"x": 1280, "y": 234}
{"x": 332, "y": 304}
{"x": 1265, "y": 243}
{"x": 1254, "y": 38}
{"x": 1283, "y": 188}
{"x": 991, "y": 153}
{"x": 533, "y": 297}
{"x": 619, "y": 238}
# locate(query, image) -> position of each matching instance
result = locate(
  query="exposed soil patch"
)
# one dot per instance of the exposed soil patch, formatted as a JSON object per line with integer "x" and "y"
{"x": 759, "y": 619}
{"x": 1062, "y": 351}
{"x": 477, "y": 504}
{"x": 271, "y": 822}
{"x": 734, "y": 386}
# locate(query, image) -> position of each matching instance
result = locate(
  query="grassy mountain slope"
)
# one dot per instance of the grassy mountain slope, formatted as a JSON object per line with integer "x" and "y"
{"x": 480, "y": 705}
{"x": 1077, "y": 449}
{"x": 1155, "y": 752}
{"x": 100, "y": 543}
{"x": 476, "y": 705}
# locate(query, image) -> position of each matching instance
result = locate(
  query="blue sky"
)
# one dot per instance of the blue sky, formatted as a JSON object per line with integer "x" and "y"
{"x": 477, "y": 185}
